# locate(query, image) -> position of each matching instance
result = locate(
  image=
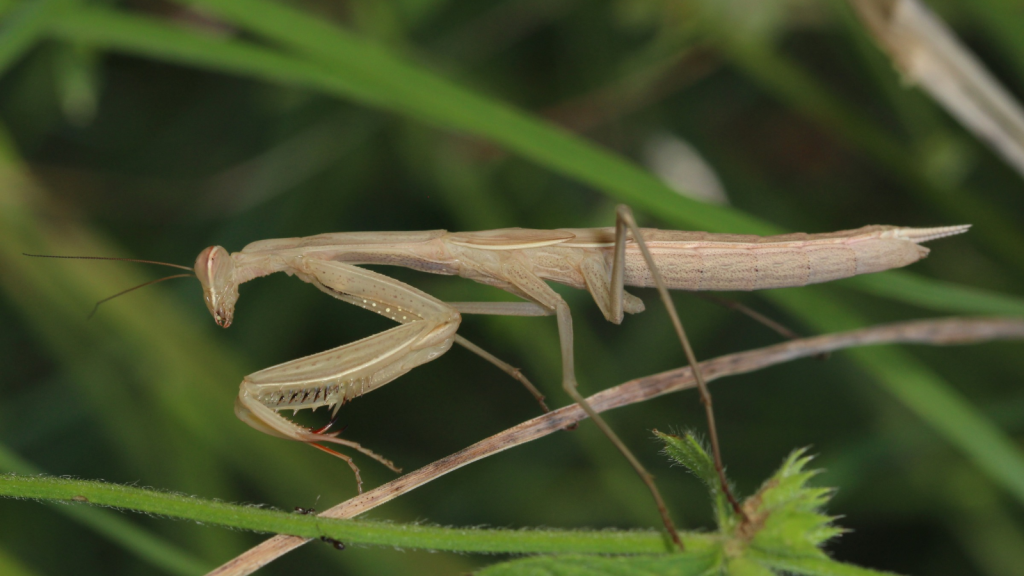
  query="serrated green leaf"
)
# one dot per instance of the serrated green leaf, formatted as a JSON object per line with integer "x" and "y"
{"x": 794, "y": 463}
{"x": 785, "y": 517}
{"x": 787, "y": 488}
{"x": 696, "y": 563}
{"x": 826, "y": 533}
{"x": 814, "y": 566}
{"x": 792, "y": 489}
{"x": 791, "y": 533}
{"x": 743, "y": 566}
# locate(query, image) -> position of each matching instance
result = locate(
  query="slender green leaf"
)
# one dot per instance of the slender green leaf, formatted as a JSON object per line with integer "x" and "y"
{"x": 384, "y": 79}
{"x": 11, "y": 566}
{"x": 935, "y": 294}
{"x": 813, "y": 566}
{"x": 922, "y": 391}
{"x": 24, "y": 26}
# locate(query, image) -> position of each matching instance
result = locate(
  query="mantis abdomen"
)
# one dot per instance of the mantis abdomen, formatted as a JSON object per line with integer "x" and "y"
{"x": 702, "y": 261}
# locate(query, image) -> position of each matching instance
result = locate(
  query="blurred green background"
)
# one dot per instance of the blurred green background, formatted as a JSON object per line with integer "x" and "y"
{"x": 154, "y": 129}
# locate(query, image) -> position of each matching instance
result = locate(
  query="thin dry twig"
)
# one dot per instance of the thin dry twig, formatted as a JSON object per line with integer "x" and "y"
{"x": 926, "y": 52}
{"x": 946, "y": 331}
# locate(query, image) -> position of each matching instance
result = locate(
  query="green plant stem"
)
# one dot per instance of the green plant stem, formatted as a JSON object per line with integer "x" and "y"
{"x": 348, "y": 531}
{"x": 149, "y": 547}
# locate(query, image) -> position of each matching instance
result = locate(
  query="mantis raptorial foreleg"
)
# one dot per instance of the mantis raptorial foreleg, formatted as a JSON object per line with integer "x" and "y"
{"x": 426, "y": 330}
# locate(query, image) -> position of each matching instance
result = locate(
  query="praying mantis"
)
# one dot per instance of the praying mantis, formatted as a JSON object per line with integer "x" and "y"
{"x": 600, "y": 260}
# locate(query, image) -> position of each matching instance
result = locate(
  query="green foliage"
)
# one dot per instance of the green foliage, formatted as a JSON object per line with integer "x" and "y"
{"x": 784, "y": 528}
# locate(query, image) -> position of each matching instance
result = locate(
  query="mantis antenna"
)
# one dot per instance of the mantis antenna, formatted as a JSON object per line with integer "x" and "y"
{"x": 123, "y": 292}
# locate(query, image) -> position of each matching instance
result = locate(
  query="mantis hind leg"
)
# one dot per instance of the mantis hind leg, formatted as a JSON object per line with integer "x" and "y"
{"x": 526, "y": 281}
{"x": 625, "y": 225}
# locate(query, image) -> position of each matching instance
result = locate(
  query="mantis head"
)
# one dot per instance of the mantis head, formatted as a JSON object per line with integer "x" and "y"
{"x": 216, "y": 272}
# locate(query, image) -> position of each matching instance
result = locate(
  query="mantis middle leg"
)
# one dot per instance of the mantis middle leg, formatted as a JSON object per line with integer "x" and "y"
{"x": 502, "y": 309}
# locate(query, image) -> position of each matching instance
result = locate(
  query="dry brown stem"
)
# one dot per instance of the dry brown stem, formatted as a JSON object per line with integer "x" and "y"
{"x": 935, "y": 332}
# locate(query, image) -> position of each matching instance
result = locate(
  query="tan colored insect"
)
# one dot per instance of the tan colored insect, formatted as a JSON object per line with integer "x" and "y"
{"x": 520, "y": 261}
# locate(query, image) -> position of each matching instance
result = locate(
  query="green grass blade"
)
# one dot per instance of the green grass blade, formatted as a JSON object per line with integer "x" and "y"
{"x": 935, "y": 294}
{"x": 149, "y": 37}
{"x": 920, "y": 390}
{"x": 384, "y": 79}
{"x": 11, "y": 566}
{"x": 24, "y": 26}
